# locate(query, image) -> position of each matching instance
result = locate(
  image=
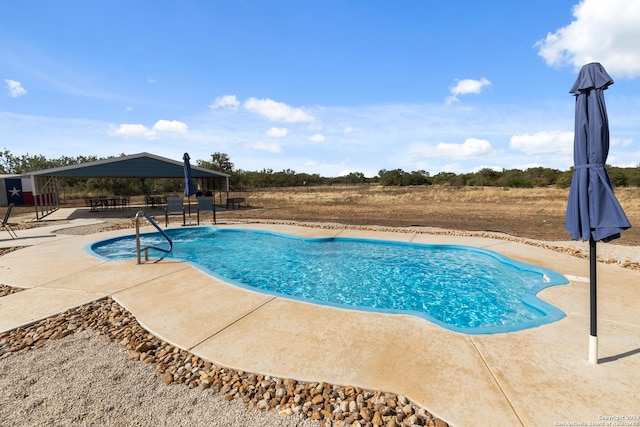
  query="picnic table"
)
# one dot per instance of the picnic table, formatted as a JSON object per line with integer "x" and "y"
{"x": 154, "y": 201}
{"x": 102, "y": 203}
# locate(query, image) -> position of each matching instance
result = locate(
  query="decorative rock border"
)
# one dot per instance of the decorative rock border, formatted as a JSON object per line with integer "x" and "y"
{"x": 333, "y": 404}
{"x": 4, "y": 251}
{"x": 8, "y": 290}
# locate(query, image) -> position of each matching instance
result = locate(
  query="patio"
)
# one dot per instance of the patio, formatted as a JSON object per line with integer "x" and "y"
{"x": 538, "y": 376}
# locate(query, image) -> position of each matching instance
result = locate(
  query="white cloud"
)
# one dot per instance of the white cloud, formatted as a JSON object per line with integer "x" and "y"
{"x": 277, "y": 111}
{"x": 227, "y": 101}
{"x": 266, "y": 146}
{"x": 622, "y": 142}
{"x": 466, "y": 86}
{"x": 143, "y": 132}
{"x": 277, "y": 132}
{"x": 469, "y": 86}
{"x": 170, "y": 126}
{"x": 629, "y": 164}
{"x": 347, "y": 129}
{"x": 602, "y": 31}
{"x": 133, "y": 131}
{"x": 15, "y": 88}
{"x": 469, "y": 149}
{"x": 543, "y": 142}
{"x": 316, "y": 137}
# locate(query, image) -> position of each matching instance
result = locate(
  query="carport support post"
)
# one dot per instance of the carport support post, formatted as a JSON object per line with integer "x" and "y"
{"x": 593, "y": 335}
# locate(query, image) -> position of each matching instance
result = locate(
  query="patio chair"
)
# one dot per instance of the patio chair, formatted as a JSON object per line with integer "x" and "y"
{"x": 175, "y": 206}
{"x": 92, "y": 203}
{"x": 6, "y": 224}
{"x": 205, "y": 204}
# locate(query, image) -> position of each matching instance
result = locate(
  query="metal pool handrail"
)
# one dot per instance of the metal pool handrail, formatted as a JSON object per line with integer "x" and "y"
{"x": 146, "y": 248}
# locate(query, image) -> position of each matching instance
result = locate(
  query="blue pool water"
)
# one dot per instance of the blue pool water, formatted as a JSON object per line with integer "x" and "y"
{"x": 460, "y": 288}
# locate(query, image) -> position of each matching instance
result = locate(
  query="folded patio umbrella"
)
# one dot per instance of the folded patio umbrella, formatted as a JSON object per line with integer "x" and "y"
{"x": 189, "y": 188}
{"x": 593, "y": 212}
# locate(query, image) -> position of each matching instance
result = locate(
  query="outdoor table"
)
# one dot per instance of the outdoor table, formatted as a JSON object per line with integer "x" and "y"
{"x": 155, "y": 201}
{"x": 104, "y": 202}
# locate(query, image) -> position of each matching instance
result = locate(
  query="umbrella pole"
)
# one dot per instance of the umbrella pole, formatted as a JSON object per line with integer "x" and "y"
{"x": 593, "y": 335}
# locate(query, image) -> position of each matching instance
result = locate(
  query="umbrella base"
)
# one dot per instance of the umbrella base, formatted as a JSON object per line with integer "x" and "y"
{"x": 593, "y": 350}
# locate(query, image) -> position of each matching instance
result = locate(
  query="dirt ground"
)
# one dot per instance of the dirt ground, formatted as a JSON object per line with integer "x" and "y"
{"x": 537, "y": 213}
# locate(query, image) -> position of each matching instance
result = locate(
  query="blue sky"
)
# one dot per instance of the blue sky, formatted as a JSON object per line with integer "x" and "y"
{"x": 327, "y": 87}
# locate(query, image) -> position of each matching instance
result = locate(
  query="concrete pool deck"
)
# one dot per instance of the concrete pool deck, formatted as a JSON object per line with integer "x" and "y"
{"x": 535, "y": 377}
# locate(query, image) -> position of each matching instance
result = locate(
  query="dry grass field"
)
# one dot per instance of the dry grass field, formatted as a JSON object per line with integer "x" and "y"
{"x": 537, "y": 213}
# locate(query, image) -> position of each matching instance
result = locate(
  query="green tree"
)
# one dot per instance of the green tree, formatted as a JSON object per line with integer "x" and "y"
{"x": 618, "y": 176}
{"x": 420, "y": 177}
{"x": 633, "y": 177}
{"x": 219, "y": 162}
{"x": 24, "y": 163}
{"x": 355, "y": 178}
{"x": 542, "y": 177}
{"x": 444, "y": 178}
{"x": 564, "y": 180}
{"x": 514, "y": 178}
{"x": 485, "y": 177}
{"x": 392, "y": 177}
{"x": 222, "y": 163}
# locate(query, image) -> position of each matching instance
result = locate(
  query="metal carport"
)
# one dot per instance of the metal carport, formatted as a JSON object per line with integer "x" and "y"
{"x": 142, "y": 165}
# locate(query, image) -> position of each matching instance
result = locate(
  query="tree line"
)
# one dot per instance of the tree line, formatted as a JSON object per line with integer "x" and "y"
{"x": 241, "y": 180}
{"x": 528, "y": 178}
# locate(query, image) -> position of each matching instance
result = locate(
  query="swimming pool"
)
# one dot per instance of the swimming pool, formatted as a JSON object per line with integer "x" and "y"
{"x": 460, "y": 288}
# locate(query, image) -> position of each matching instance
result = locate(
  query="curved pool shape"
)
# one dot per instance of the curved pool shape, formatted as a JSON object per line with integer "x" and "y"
{"x": 460, "y": 288}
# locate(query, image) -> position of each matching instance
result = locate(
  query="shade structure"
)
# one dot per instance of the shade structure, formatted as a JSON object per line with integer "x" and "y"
{"x": 593, "y": 212}
{"x": 189, "y": 188}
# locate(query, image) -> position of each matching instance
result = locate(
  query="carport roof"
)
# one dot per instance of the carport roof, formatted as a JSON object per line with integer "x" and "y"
{"x": 142, "y": 165}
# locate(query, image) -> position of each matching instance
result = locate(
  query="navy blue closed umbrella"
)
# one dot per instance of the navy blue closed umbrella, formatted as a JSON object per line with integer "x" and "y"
{"x": 189, "y": 188}
{"x": 593, "y": 212}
